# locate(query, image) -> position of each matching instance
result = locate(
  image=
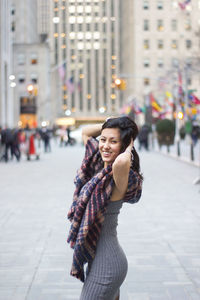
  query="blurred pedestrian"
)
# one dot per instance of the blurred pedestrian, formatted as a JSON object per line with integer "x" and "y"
{"x": 109, "y": 175}
{"x": 46, "y": 139}
{"x": 195, "y": 134}
{"x": 15, "y": 148}
{"x": 8, "y": 136}
{"x": 143, "y": 137}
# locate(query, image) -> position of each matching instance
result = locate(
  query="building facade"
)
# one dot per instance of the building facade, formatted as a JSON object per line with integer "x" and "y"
{"x": 31, "y": 63}
{"x": 6, "y": 89}
{"x": 85, "y": 60}
{"x": 165, "y": 44}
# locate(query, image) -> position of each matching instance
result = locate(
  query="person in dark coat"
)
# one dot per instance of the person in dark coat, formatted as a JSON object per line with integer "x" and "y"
{"x": 143, "y": 137}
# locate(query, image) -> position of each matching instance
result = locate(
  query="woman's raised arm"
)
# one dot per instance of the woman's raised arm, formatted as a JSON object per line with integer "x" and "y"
{"x": 89, "y": 131}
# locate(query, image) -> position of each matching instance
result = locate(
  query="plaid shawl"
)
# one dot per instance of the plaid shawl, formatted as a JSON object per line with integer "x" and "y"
{"x": 94, "y": 185}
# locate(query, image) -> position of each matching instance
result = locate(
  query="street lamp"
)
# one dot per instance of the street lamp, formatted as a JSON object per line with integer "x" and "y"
{"x": 120, "y": 84}
{"x": 30, "y": 88}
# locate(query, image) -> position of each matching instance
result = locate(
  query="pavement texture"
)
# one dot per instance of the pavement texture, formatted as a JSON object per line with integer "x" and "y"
{"x": 160, "y": 235}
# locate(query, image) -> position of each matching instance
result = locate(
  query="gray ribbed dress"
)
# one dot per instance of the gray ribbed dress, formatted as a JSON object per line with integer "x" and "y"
{"x": 109, "y": 267}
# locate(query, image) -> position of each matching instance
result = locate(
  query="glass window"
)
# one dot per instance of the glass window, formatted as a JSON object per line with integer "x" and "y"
{"x": 189, "y": 61}
{"x": 159, "y": 4}
{"x": 174, "y": 44}
{"x": 188, "y": 25}
{"x": 21, "y": 59}
{"x": 146, "y": 25}
{"x": 160, "y": 44}
{"x": 175, "y": 62}
{"x": 145, "y": 4}
{"x": 21, "y": 78}
{"x": 160, "y": 26}
{"x": 174, "y": 25}
{"x": 188, "y": 44}
{"x": 146, "y": 63}
{"x": 34, "y": 59}
{"x": 160, "y": 63}
{"x": 146, "y": 44}
{"x": 146, "y": 81}
{"x": 34, "y": 78}
{"x": 13, "y": 26}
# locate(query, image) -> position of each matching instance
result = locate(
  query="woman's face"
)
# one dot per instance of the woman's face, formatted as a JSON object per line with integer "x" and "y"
{"x": 109, "y": 145}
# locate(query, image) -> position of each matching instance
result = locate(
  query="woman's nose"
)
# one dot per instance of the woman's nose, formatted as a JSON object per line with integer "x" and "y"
{"x": 107, "y": 145}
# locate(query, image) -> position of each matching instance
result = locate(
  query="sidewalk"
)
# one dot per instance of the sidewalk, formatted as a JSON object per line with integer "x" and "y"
{"x": 160, "y": 234}
{"x": 185, "y": 151}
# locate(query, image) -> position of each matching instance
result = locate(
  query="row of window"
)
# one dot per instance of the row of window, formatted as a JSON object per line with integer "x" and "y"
{"x": 147, "y": 82}
{"x": 160, "y": 44}
{"x": 160, "y": 25}
{"x": 159, "y": 4}
{"x": 33, "y": 78}
{"x": 21, "y": 59}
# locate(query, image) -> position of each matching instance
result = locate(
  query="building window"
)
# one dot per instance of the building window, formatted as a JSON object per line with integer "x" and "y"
{"x": 21, "y": 78}
{"x": 174, "y": 25}
{"x": 159, "y": 4}
{"x": 146, "y": 4}
{"x": 189, "y": 81}
{"x": 146, "y": 44}
{"x": 160, "y": 26}
{"x": 13, "y": 26}
{"x": 188, "y": 44}
{"x": 34, "y": 59}
{"x": 146, "y": 63}
{"x": 13, "y": 10}
{"x": 146, "y": 25}
{"x": 188, "y": 25}
{"x": 146, "y": 81}
{"x": 160, "y": 63}
{"x": 34, "y": 78}
{"x": 189, "y": 62}
{"x": 175, "y": 62}
{"x": 174, "y": 44}
{"x": 160, "y": 44}
{"x": 21, "y": 59}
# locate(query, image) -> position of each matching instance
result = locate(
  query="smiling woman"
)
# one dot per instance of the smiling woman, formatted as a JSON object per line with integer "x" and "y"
{"x": 109, "y": 175}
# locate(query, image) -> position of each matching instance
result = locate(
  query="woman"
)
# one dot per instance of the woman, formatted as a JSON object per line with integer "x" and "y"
{"x": 109, "y": 176}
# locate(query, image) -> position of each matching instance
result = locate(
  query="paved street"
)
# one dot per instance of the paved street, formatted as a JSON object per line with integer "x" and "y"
{"x": 160, "y": 234}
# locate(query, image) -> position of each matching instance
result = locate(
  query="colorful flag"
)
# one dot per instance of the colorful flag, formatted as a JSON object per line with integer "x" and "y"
{"x": 61, "y": 71}
{"x": 154, "y": 104}
{"x": 194, "y": 99}
{"x": 180, "y": 84}
{"x": 70, "y": 85}
{"x": 184, "y": 4}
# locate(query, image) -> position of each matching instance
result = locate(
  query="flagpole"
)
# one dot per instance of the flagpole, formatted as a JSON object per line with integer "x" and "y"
{"x": 186, "y": 100}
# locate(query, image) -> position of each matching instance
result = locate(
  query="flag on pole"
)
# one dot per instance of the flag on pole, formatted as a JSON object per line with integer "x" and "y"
{"x": 154, "y": 104}
{"x": 180, "y": 83}
{"x": 70, "y": 84}
{"x": 194, "y": 99}
{"x": 61, "y": 71}
{"x": 184, "y": 4}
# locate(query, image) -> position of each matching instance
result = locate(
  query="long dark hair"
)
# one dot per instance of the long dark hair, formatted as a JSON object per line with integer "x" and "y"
{"x": 128, "y": 129}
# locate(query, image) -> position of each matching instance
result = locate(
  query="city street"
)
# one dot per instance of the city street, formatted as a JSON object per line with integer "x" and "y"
{"x": 160, "y": 235}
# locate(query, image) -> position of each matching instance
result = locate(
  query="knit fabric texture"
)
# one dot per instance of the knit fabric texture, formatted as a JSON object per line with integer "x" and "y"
{"x": 93, "y": 189}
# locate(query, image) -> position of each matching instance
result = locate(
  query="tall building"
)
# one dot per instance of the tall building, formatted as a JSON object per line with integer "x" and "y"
{"x": 6, "y": 92}
{"x": 85, "y": 57}
{"x": 164, "y": 39}
{"x": 31, "y": 62}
